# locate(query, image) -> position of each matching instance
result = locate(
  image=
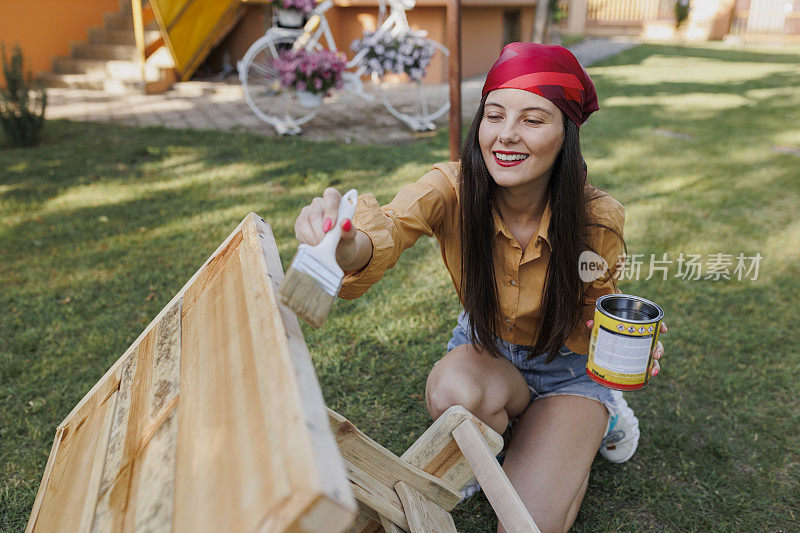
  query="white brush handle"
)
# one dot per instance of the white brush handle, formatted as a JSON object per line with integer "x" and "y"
{"x": 347, "y": 208}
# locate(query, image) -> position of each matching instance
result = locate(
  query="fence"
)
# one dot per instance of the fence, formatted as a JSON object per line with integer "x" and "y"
{"x": 630, "y": 11}
{"x": 767, "y": 18}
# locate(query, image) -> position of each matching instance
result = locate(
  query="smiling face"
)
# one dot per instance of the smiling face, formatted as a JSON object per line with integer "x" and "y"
{"x": 520, "y": 136}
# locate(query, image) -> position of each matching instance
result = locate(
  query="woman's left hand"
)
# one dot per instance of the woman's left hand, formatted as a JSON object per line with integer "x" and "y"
{"x": 658, "y": 351}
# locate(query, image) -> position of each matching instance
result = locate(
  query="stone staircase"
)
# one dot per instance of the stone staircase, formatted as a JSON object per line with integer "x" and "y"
{"x": 108, "y": 61}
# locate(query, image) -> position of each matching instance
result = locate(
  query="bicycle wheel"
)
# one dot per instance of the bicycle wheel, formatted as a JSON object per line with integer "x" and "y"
{"x": 269, "y": 100}
{"x": 419, "y": 103}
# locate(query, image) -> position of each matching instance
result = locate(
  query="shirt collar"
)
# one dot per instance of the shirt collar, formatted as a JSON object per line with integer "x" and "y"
{"x": 500, "y": 225}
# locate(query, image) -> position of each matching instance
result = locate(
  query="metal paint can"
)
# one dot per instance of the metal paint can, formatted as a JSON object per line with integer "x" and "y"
{"x": 624, "y": 334}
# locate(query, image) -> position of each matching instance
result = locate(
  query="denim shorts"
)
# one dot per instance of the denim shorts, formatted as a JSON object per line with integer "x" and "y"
{"x": 565, "y": 375}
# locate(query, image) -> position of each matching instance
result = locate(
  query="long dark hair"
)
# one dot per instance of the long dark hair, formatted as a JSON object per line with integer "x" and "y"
{"x": 564, "y": 292}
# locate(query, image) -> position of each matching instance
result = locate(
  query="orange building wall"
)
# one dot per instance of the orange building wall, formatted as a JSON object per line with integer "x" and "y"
{"x": 482, "y": 36}
{"x": 255, "y": 22}
{"x": 44, "y": 28}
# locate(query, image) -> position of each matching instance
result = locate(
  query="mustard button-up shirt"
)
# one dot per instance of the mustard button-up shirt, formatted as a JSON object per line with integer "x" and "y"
{"x": 430, "y": 207}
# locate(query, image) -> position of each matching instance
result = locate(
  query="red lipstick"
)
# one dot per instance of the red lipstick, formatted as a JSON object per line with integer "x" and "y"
{"x": 508, "y": 163}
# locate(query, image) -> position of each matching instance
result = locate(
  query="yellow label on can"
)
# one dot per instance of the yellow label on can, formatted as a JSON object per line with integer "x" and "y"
{"x": 620, "y": 352}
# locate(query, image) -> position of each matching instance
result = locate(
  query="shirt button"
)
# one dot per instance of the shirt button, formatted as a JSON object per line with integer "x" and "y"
{"x": 512, "y": 282}
{"x": 508, "y": 329}
{"x": 508, "y": 321}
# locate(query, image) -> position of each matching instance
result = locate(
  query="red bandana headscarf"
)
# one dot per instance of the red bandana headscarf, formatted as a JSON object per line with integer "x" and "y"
{"x": 549, "y": 71}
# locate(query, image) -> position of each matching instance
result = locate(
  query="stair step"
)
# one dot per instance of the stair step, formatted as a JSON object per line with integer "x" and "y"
{"x": 103, "y": 51}
{"x": 124, "y": 21}
{"x": 106, "y": 36}
{"x": 84, "y": 81}
{"x": 100, "y": 68}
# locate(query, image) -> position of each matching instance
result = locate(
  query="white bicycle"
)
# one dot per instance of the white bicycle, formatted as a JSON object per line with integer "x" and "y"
{"x": 417, "y": 103}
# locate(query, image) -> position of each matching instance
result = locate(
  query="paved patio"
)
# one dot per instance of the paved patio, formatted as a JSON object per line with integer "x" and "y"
{"x": 220, "y": 106}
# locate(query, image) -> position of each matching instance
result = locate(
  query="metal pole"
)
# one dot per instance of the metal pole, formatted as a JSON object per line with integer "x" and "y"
{"x": 454, "y": 75}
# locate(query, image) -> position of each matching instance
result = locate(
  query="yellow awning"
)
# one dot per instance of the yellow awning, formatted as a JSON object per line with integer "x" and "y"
{"x": 191, "y": 28}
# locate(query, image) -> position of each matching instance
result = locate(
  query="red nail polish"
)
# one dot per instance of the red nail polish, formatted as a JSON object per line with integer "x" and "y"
{"x": 326, "y": 226}
{"x": 587, "y": 322}
{"x": 346, "y": 225}
{"x": 655, "y": 372}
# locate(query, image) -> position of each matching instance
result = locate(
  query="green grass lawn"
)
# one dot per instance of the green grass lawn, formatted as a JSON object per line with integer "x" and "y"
{"x": 101, "y": 225}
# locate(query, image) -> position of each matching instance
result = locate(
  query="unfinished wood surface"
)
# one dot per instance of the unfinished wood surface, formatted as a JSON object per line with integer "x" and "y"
{"x": 437, "y": 453}
{"x": 495, "y": 484}
{"x": 389, "y": 526}
{"x": 370, "y": 457}
{"x": 423, "y": 515}
{"x": 211, "y": 421}
{"x": 367, "y": 521}
{"x": 74, "y": 466}
{"x": 376, "y": 494}
{"x": 321, "y": 449}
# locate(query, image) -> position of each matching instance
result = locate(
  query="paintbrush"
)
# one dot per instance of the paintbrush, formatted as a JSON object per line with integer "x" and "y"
{"x": 314, "y": 278}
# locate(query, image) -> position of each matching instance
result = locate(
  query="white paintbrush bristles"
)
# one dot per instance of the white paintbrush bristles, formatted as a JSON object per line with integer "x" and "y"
{"x": 314, "y": 278}
{"x": 303, "y": 295}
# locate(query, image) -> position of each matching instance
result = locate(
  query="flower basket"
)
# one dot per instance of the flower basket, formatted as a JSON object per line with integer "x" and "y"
{"x": 291, "y": 13}
{"x": 314, "y": 73}
{"x": 406, "y": 53}
{"x": 309, "y": 100}
{"x": 289, "y": 18}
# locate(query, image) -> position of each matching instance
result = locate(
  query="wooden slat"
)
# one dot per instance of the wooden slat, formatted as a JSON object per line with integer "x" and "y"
{"x": 389, "y": 526}
{"x": 167, "y": 363}
{"x": 103, "y": 519}
{"x": 153, "y": 498}
{"x": 375, "y": 493}
{"x": 437, "y": 453}
{"x": 386, "y": 467}
{"x": 495, "y": 484}
{"x": 37, "y": 502}
{"x": 423, "y": 516}
{"x": 74, "y": 467}
{"x": 153, "y": 493}
{"x": 92, "y": 488}
{"x": 367, "y": 521}
{"x": 222, "y": 419}
{"x": 322, "y": 450}
{"x": 306, "y": 429}
{"x": 115, "y": 510}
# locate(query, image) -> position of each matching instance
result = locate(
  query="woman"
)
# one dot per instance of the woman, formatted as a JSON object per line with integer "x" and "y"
{"x": 511, "y": 220}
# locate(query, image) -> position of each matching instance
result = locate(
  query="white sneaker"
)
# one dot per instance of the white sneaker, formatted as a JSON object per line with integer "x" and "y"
{"x": 470, "y": 489}
{"x": 622, "y": 434}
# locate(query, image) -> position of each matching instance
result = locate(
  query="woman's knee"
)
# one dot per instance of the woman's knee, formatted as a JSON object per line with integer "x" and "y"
{"x": 476, "y": 381}
{"x": 449, "y": 387}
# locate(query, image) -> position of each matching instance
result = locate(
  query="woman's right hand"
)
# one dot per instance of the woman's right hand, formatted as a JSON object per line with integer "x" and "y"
{"x": 317, "y": 219}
